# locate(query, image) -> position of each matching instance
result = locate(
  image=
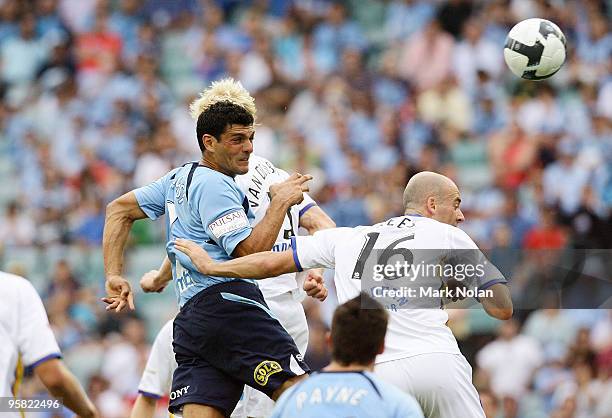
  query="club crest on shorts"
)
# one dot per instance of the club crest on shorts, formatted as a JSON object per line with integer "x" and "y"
{"x": 264, "y": 370}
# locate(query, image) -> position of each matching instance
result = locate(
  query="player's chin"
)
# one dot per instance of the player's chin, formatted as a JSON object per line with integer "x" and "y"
{"x": 242, "y": 166}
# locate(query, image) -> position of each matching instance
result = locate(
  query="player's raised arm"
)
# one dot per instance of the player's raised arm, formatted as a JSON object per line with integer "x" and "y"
{"x": 148, "y": 201}
{"x": 283, "y": 195}
{"x": 314, "y": 219}
{"x": 120, "y": 215}
{"x": 307, "y": 252}
{"x": 254, "y": 266}
{"x": 500, "y": 305}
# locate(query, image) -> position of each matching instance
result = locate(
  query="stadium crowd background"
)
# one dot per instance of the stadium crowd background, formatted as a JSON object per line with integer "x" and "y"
{"x": 361, "y": 94}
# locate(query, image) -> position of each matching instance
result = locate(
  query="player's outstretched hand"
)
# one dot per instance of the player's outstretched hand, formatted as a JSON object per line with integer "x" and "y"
{"x": 290, "y": 191}
{"x": 199, "y": 257}
{"x": 314, "y": 286}
{"x": 119, "y": 294}
{"x": 151, "y": 282}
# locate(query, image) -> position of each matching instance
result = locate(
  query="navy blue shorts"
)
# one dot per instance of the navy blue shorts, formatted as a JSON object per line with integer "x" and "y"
{"x": 226, "y": 337}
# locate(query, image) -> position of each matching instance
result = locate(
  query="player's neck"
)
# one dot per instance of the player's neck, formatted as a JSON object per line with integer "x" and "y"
{"x": 214, "y": 166}
{"x": 413, "y": 212}
{"x": 353, "y": 367}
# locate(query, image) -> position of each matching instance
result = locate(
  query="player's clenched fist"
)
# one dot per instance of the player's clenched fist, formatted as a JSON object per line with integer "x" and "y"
{"x": 314, "y": 286}
{"x": 199, "y": 257}
{"x": 118, "y": 294}
{"x": 291, "y": 191}
{"x": 152, "y": 282}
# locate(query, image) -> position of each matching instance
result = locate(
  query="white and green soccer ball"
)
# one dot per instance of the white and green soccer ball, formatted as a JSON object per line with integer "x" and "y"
{"x": 535, "y": 49}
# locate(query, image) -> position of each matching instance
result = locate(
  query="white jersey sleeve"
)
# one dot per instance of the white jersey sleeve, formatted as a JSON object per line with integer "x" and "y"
{"x": 317, "y": 250}
{"x": 306, "y": 204}
{"x": 35, "y": 340}
{"x": 157, "y": 376}
{"x": 459, "y": 240}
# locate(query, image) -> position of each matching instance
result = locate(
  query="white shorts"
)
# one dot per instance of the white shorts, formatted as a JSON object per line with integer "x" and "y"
{"x": 290, "y": 314}
{"x": 440, "y": 382}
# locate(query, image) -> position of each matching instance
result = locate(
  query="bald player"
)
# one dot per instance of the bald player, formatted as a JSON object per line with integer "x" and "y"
{"x": 421, "y": 354}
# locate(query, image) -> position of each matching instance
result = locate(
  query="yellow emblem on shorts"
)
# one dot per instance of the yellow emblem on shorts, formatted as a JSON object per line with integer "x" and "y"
{"x": 264, "y": 370}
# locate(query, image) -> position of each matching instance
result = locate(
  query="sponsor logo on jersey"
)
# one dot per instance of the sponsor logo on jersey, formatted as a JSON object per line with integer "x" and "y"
{"x": 228, "y": 223}
{"x": 179, "y": 392}
{"x": 264, "y": 370}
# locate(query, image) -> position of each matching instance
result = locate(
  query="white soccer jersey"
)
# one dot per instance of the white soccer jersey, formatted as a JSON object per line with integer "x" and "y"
{"x": 255, "y": 185}
{"x": 410, "y": 331}
{"x": 25, "y": 334}
{"x": 157, "y": 376}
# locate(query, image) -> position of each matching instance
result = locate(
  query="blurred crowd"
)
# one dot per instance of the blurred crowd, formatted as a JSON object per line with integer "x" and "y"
{"x": 359, "y": 93}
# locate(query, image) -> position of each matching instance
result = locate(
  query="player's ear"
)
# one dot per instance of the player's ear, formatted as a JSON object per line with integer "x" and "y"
{"x": 431, "y": 204}
{"x": 328, "y": 341}
{"x": 381, "y": 348}
{"x": 208, "y": 141}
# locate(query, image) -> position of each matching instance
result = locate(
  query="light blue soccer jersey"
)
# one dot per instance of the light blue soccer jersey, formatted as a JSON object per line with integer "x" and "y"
{"x": 204, "y": 206}
{"x": 345, "y": 395}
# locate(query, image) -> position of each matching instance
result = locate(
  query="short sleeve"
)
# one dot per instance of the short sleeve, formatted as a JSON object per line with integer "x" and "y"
{"x": 316, "y": 250}
{"x": 223, "y": 210}
{"x": 152, "y": 197}
{"x": 465, "y": 251}
{"x": 306, "y": 204}
{"x": 157, "y": 376}
{"x": 36, "y": 341}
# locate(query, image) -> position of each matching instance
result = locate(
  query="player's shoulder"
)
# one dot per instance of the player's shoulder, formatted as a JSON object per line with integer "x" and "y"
{"x": 261, "y": 170}
{"x": 204, "y": 178}
{"x": 171, "y": 175}
{"x": 15, "y": 281}
{"x": 265, "y": 167}
{"x": 255, "y": 160}
{"x": 16, "y": 287}
{"x": 454, "y": 236}
{"x": 460, "y": 239}
{"x": 340, "y": 232}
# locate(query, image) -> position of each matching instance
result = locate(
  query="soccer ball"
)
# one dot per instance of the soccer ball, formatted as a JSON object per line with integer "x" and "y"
{"x": 535, "y": 49}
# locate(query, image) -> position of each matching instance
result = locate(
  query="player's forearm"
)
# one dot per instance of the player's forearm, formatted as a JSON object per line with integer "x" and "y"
{"x": 264, "y": 234}
{"x": 500, "y": 305}
{"x": 75, "y": 399}
{"x": 316, "y": 220}
{"x": 144, "y": 407}
{"x": 120, "y": 215}
{"x": 165, "y": 272}
{"x": 255, "y": 266}
{"x": 62, "y": 384}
